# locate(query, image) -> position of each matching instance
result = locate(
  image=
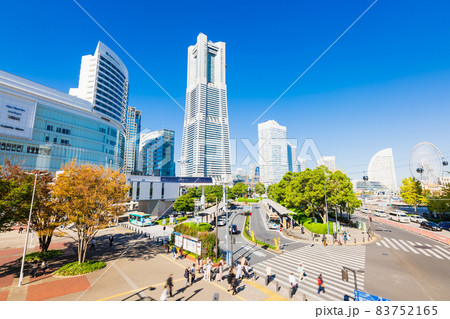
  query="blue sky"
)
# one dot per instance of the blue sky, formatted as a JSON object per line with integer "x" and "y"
{"x": 384, "y": 84}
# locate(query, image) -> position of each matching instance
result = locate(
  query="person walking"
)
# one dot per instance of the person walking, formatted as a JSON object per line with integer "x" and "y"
{"x": 186, "y": 276}
{"x": 268, "y": 274}
{"x": 164, "y": 294}
{"x": 93, "y": 242}
{"x": 208, "y": 270}
{"x": 169, "y": 284}
{"x": 320, "y": 284}
{"x": 44, "y": 266}
{"x": 20, "y": 230}
{"x": 301, "y": 271}
{"x": 181, "y": 252}
{"x": 324, "y": 240}
{"x": 293, "y": 284}
{"x": 247, "y": 269}
{"x": 234, "y": 285}
{"x": 239, "y": 271}
{"x": 34, "y": 268}
{"x": 345, "y": 237}
{"x": 111, "y": 239}
{"x": 174, "y": 252}
{"x": 230, "y": 278}
{"x": 219, "y": 276}
{"x": 192, "y": 274}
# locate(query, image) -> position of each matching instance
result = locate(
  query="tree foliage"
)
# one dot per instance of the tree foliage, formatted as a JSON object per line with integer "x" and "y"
{"x": 239, "y": 189}
{"x": 260, "y": 189}
{"x": 91, "y": 197}
{"x": 184, "y": 203}
{"x": 305, "y": 191}
{"x": 440, "y": 204}
{"x": 412, "y": 193}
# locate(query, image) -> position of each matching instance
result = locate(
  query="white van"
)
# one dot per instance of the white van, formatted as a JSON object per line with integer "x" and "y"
{"x": 365, "y": 210}
{"x": 380, "y": 213}
{"x": 399, "y": 216}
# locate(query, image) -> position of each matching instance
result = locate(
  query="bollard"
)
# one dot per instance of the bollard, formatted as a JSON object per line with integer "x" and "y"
{"x": 267, "y": 280}
{"x": 277, "y": 286}
{"x": 354, "y": 240}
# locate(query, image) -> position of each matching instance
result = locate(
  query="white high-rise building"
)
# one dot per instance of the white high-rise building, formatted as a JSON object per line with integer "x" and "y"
{"x": 206, "y": 139}
{"x": 328, "y": 161}
{"x": 301, "y": 164}
{"x": 104, "y": 82}
{"x": 293, "y": 165}
{"x": 273, "y": 152}
{"x": 133, "y": 131}
{"x": 381, "y": 169}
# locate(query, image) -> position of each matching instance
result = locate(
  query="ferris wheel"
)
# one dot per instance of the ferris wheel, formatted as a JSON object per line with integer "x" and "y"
{"x": 426, "y": 163}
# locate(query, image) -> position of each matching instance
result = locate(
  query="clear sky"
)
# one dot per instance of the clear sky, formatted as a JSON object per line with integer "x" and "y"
{"x": 384, "y": 84}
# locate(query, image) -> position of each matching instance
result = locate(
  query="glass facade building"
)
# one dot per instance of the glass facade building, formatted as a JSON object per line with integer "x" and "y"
{"x": 133, "y": 131}
{"x": 42, "y": 128}
{"x": 156, "y": 153}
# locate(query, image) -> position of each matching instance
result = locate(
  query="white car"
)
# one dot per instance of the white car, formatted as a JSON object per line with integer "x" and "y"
{"x": 417, "y": 219}
{"x": 221, "y": 222}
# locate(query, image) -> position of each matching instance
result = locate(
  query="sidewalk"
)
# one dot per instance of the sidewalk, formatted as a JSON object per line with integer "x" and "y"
{"x": 136, "y": 269}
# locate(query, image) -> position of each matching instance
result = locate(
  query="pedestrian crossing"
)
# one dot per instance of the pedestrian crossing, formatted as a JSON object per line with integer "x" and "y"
{"x": 316, "y": 260}
{"x": 415, "y": 248}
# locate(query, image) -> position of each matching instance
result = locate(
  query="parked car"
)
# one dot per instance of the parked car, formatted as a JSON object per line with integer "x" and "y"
{"x": 233, "y": 229}
{"x": 430, "y": 226}
{"x": 444, "y": 225}
{"x": 417, "y": 219}
{"x": 380, "y": 213}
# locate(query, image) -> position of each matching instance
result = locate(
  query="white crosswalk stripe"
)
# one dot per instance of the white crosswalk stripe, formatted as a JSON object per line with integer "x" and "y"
{"x": 378, "y": 244}
{"x": 415, "y": 247}
{"x": 443, "y": 252}
{"x": 316, "y": 260}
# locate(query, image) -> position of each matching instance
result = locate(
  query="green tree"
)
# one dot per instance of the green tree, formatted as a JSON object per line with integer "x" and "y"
{"x": 411, "y": 192}
{"x": 440, "y": 204}
{"x": 91, "y": 197}
{"x": 260, "y": 189}
{"x": 184, "y": 203}
{"x": 15, "y": 199}
{"x": 239, "y": 189}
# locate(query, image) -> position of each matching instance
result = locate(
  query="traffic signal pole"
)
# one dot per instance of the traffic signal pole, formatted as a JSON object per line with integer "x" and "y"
{"x": 230, "y": 231}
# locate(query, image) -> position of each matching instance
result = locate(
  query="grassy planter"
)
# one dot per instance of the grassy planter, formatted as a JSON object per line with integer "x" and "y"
{"x": 37, "y": 256}
{"x": 76, "y": 269}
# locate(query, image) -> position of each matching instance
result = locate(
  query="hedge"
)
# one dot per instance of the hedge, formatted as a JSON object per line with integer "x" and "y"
{"x": 247, "y": 235}
{"x": 248, "y": 200}
{"x": 74, "y": 269}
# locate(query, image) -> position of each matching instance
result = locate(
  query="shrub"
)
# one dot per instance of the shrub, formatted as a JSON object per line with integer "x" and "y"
{"x": 318, "y": 228}
{"x": 38, "y": 256}
{"x": 208, "y": 243}
{"x": 248, "y": 200}
{"x": 74, "y": 269}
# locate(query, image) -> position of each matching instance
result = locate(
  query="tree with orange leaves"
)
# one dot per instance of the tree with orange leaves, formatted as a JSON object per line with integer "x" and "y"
{"x": 91, "y": 197}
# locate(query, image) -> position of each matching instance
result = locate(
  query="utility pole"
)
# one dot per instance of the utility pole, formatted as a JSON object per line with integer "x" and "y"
{"x": 217, "y": 230}
{"x": 326, "y": 205}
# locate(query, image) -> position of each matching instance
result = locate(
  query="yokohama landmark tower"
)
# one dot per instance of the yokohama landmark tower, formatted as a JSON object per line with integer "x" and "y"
{"x": 206, "y": 139}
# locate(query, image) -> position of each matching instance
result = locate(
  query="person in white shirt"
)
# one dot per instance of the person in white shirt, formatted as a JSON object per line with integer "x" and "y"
{"x": 164, "y": 295}
{"x": 268, "y": 274}
{"x": 301, "y": 270}
{"x": 292, "y": 280}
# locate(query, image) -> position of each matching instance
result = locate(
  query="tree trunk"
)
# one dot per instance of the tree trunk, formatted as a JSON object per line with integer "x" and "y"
{"x": 415, "y": 209}
{"x": 44, "y": 242}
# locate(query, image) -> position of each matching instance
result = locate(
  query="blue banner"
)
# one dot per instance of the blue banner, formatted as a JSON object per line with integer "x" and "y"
{"x": 364, "y": 296}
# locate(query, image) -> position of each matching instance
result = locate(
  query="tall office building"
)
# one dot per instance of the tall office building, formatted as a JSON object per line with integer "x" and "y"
{"x": 104, "y": 82}
{"x": 132, "y": 137}
{"x": 328, "y": 161}
{"x": 206, "y": 140}
{"x": 293, "y": 165}
{"x": 301, "y": 164}
{"x": 156, "y": 153}
{"x": 273, "y": 152}
{"x": 381, "y": 169}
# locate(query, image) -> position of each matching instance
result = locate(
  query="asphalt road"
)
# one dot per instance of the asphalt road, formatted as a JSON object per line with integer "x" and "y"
{"x": 407, "y": 266}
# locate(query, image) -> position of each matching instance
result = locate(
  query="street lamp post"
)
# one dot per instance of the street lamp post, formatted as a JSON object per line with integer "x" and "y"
{"x": 28, "y": 229}
{"x": 326, "y": 205}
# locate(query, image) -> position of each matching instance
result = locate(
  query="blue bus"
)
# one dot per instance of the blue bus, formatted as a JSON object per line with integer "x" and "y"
{"x": 140, "y": 219}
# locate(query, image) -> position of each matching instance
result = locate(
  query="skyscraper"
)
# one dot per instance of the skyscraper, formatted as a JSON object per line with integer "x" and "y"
{"x": 292, "y": 158}
{"x": 156, "y": 153}
{"x": 328, "y": 161}
{"x": 273, "y": 152}
{"x": 133, "y": 131}
{"x": 104, "y": 82}
{"x": 382, "y": 169}
{"x": 206, "y": 139}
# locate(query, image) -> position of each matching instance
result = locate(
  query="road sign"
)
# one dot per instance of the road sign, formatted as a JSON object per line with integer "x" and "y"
{"x": 228, "y": 257}
{"x": 164, "y": 221}
{"x": 364, "y": 296}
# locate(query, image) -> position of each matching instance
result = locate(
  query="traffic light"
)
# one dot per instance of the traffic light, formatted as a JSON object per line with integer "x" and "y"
{"x": 247, "y": 214}
{"x": 344, "y": 275}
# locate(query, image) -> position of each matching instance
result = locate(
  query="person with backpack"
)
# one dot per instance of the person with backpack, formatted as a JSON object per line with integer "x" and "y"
{"x": 320, "y": 284}
{"x": 186, "y": 275}
{"x": 192, "y": 274}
